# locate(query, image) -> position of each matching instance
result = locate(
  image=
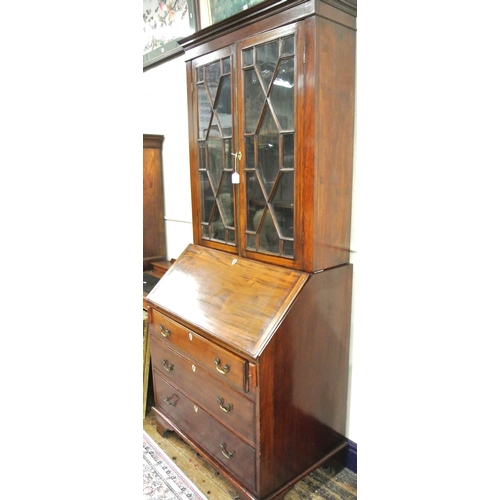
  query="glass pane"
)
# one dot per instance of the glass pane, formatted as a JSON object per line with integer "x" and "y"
{"x": 268, "y": 150}
{"x": 226, "y": 65}
{"x": 282, "y": 94}
{"x": 283, "y": 194}
{"x": 255, "y": 198}
{"x": 203, "y": 158}
{"x": 217, "y": 226}
{"x": 266, "y": 60}
{"x": 231, "y": 235}
{"x": 282, "y": 203}
{"x": 214, "y": 161}
{"x": 251, "y": 241}
{"x": 204, "y": 111}
{"x": 287, "y": 46}
{"x": 284, "y": 219}
{"x": 288, "y": 151}
{"x": 249, "y": 152}
{"x": 248, "y": 57}
{"x": 228, "y": 159}
{"x": 223, "y": 106}
{"x": 288, "y": 248}
{"x": 225, "y": 200}
{"x": 207, "y": 197}
{"x": 254, "y": 100}
{"x": 268, "y": 236}
{"x": 212, "y": 76}
{"x": 199, "y": 74}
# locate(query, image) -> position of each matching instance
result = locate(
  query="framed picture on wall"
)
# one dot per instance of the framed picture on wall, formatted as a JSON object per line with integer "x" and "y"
{"x": 213, "y": 11}
{"x": 166, "y": 22}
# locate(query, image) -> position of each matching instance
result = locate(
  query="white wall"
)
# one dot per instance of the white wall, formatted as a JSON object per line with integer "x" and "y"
{"x": 165, "y": 113}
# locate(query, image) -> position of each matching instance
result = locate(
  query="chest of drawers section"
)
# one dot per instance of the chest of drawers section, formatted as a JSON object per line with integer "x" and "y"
{"x": 203, "y": 389}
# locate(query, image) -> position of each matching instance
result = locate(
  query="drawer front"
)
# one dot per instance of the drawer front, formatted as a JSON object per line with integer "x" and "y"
{"x": 224, "y": 403}
{"x": 219, "y": 361}
{"x": 225, "y": 447}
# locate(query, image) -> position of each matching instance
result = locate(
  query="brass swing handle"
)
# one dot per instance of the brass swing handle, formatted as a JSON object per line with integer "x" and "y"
{"x": 164, "y": 331}
{"x": 167, "y": 365}
{"x": 227, "y": 408}
{"x": 170, "y": 402}
{"x": 224, "y": 369}
{"x": 227, "y": 454}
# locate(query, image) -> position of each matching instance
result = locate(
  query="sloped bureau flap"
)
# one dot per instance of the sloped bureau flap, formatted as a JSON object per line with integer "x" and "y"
{"x": 236, "y": 300}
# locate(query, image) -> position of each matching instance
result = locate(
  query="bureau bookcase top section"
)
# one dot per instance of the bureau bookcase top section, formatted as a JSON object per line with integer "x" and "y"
{"x": 271, "y": 133}
{"x": 236, "y": 300}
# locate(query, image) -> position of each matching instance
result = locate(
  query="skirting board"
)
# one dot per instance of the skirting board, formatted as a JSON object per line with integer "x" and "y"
{"x": 352, "y": 456}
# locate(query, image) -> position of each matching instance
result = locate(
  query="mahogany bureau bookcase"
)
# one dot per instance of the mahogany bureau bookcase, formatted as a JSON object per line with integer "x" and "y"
{"x": 250, "y": 326}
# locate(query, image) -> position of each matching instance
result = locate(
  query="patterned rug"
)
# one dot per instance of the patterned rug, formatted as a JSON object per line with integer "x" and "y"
{"x": 162, "y": 479}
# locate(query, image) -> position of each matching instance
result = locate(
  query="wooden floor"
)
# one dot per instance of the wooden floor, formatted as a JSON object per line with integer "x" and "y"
{"x": 320, "y": 484}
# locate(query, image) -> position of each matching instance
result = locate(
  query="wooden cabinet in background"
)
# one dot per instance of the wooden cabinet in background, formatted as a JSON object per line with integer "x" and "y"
{"x": 154, "y": 240}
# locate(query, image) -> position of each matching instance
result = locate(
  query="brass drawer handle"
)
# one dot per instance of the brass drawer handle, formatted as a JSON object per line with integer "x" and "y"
{"x": 169, "y": 400}
{"x": 227, "y": 408}
{"x": 225, "y": 368}
{"x": 164, "y": 331}
{"x": 167, "y": 365}
{"x": 227, "y": 454}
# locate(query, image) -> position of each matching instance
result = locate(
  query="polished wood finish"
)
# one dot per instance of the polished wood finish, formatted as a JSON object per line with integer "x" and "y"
{"x": 324, "y": 122}
{"x": 154, "y": 238}
{"x": 290, "y": 332}
{"x": 235, "y": 300}
{"x": 250, "y": 343}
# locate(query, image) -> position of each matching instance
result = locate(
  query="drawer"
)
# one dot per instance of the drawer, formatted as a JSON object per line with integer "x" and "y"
{"x": 223, "y": 402}
{"x": 226, "y": 448}
{"x": 219, "y": 361}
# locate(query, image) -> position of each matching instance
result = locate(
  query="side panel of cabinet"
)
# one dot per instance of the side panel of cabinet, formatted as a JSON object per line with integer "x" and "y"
{"x": 333, "y": 63}
{"x": 303, "y": 381}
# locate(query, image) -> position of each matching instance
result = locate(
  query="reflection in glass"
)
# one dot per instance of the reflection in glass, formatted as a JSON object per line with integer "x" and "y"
{"x": 287, "y": 46}
{"x": 282, "y": 94}
{"x": 207, "y": 197}
{"x": 223, "y": 107}
{"x": 215, "y": 130}
{"x": 254, "y": 100}
{"x": 268, "y": 150}
{"x": 266, "y": 60}
{"x": 269, "y": 117}
{"x": 212, "y": 77}
{"x": 288, "y": 151}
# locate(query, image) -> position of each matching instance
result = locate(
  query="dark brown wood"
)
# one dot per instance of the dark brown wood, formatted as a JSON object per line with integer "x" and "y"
{"x": 234, "y": 300}
{"x": 250, "y": 350}
{"x": 296, "y": 367}
{"x": 154, "y": 239}
{"x": 324, "y": 122}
